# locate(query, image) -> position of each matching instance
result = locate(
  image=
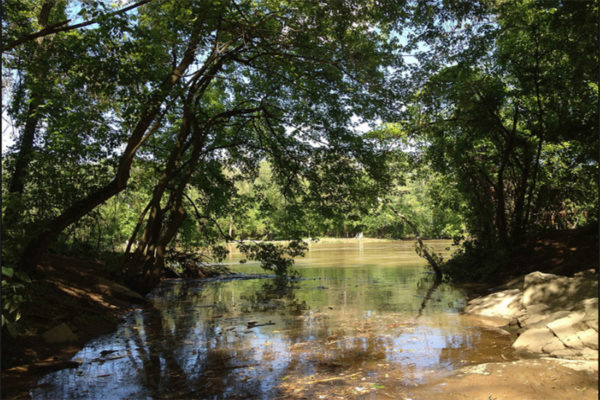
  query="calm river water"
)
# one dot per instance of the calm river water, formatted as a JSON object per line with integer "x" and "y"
{"x": 354, "y": 326}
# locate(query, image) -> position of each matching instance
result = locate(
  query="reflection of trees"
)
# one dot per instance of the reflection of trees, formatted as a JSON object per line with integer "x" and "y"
{"x": 434, "y": 285}
{"x": 196, "y": 345}
{"x": 446, "y": 299}
{"x": 181, "y": 354}
{"x": 277, "y": 294}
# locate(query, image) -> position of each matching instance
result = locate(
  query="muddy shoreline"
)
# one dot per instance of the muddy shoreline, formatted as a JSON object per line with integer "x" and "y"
{"x": 72, "y": 301}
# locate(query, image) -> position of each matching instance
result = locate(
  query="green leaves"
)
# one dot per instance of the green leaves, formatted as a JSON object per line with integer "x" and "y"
{"x": 13, "y": 297}
{"x": 489, "y": 105}
{"x": 7, "y": 271}
{"x": 274, "y": 257}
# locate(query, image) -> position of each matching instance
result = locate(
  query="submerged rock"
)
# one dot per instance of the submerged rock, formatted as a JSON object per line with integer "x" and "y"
{"x": 556, "y": 315}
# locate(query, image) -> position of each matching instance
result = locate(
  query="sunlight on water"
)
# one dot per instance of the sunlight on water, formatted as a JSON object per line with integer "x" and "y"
{"x": 350, "y": 327}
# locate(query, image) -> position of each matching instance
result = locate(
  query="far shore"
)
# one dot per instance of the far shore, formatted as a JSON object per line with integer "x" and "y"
{"x": 333, "y": 240}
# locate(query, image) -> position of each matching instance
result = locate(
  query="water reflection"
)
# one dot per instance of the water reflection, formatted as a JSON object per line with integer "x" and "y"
{"x": 356, "y": 324}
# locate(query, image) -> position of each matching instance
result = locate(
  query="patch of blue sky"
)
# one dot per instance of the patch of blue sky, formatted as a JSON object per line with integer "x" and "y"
{"x": 80, "y": 11}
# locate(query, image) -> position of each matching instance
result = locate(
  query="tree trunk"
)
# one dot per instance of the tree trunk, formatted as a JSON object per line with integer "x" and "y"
{"x": 519, "y": 219}
{"x": 148, "y": 260}
{"x": 24, "y": 156}
{"x": 38, "y": 245}
{"x": 501, "y": 225}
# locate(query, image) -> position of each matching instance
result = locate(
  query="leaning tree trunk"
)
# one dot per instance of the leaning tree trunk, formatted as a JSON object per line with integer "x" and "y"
{"x": 38, "y": 245}
{"x": 146, "y": 264}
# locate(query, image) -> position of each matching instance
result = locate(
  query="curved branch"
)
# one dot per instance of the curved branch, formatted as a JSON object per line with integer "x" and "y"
{"x": 199, "y": 216}
{"x": 60, "y": 26}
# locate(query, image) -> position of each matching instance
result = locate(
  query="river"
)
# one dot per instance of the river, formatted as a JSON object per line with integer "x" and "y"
{"x": 355, "y": 325}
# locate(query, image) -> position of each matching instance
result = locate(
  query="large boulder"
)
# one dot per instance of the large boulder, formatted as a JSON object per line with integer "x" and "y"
{"x": 559, "y": 291}
{"x": 556, "y": 315}
{"x": 506, "y": 304}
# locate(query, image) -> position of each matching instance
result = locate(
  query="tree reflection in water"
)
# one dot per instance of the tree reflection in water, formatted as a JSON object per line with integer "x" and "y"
{"x": 336, "y": 330}
{"x": 183, "y": 357}
{"x": 278, "y": 295}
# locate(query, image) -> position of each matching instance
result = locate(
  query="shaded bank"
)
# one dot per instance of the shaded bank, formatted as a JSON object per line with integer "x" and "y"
{"x": 71, "y": 301}
{"x": 562, "y": 252}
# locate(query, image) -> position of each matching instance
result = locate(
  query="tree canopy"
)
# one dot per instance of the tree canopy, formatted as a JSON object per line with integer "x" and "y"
{"x": 159, "y": 123}
{"x": 189, "y": 90}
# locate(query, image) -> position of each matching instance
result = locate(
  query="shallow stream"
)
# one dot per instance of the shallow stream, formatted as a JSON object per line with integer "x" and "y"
{"x": 354, "y": 326}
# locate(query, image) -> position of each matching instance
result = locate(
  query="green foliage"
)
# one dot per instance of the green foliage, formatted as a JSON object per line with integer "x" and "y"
{"x": 274, "y": 257}
{"x": 476, "y": 263}
{"x": 14, "y": 283}
{"x": 497, "y": 118}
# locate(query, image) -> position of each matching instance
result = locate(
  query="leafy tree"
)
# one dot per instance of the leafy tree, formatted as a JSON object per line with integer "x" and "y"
{"x": 493, "y": 117}
{"x": 190, "y": 89}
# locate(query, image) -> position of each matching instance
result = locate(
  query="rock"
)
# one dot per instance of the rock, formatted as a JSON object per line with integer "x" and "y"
{"x": 589, "y": 354}
{"x": 567, "y": 326}
{"x": 552, "y": 347}
{"x": 541, "y": 288}
{"x": 589, "y": 338}
{"x": 59, "y": 334}
{"x": 557, "y": 315}
{"x": 531, "y": 319}
{"x": 574, "y": 342}
{"x": 505, "y": 304}
{"x": 567, "y": 353}
{"x": 587, "y": 274}
{"x": 577, "y": 365}
{"x": 536, "y": 278}
{"x": 590, "y": 307}
{"x": 535, "y": 339}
